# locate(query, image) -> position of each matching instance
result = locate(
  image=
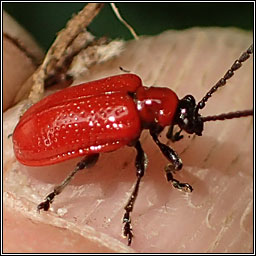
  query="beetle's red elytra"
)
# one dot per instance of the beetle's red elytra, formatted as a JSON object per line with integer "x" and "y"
{"x": 104, "y": 115}
{"x": 95, "y": 117}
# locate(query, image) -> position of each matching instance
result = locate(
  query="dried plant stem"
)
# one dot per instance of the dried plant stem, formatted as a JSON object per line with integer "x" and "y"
{"x": 57, "y": 52}
{"x": 116, "y": 11}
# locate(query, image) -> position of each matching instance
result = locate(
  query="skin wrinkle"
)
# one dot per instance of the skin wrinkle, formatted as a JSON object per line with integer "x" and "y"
{"x": 248, "y": 128}
{"x": 149, "y": 77}
{"x": 245, "y": 213}
{"x": 232, "y": 164}
{"x": 188, "y": 197}
{"x": 88, "y": 214}
{"x": 194, "y": 236}
{"x": 226, "y": 224}
{"x": 164, "y": 64}
{"x": 208, "y": 218}
{"x": 246, "y": 244}
{"x": 186, "y": 62}
{"x": 210, "y": 153}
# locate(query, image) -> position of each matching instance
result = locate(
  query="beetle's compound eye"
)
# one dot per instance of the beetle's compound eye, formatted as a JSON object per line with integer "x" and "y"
{"x": 189, "y": 100}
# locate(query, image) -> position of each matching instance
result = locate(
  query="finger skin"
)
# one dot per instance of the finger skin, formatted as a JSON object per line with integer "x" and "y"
{"x": 21, "y": 56}
{"x": 216, "y": 217}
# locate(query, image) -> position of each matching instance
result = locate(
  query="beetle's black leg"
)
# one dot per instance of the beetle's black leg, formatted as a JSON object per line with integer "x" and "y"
{"x": 86, "y": 162}
{"x": 176, "y": 164}
{"x": 169, "y": 169}
{"x": 140, "y": 164}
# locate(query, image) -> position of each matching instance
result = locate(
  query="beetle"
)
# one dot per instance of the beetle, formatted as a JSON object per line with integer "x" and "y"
{"x": 105, "y": 115}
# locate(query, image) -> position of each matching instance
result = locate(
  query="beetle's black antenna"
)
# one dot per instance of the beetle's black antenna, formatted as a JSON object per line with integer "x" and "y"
{"x": 237, "y": 64}
{"x": 229, "y": 115}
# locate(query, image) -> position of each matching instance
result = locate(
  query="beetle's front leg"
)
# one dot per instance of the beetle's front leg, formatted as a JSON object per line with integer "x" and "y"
{"x": 140, "y": 164}
{"x": 86, "y": 162}
{"x": 170, "y": 169}
{"x": 175, "y": 165}
{"x": 174, "y": 136}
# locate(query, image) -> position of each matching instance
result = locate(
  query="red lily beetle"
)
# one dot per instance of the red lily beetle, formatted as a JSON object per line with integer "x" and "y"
{"x": 104, "y": 115}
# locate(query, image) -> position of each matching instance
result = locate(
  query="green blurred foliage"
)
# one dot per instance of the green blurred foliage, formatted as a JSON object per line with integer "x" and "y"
{"x": 44, "y": 20}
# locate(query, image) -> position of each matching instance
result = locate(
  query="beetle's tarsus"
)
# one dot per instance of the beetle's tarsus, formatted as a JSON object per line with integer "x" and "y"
{"x": 127, "y": 229}
{"x": 46, "y": 204}
{"x": 185, "y": 187}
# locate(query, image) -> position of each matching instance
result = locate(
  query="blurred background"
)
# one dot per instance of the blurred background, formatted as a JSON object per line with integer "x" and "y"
{"x": 44, "y": 20}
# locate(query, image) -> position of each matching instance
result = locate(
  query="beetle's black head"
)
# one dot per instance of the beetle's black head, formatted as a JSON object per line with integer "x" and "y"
{"x": 187, "y": 117}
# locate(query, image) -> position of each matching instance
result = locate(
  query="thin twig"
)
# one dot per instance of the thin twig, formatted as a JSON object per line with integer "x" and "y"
{"x": 115, "y": 9}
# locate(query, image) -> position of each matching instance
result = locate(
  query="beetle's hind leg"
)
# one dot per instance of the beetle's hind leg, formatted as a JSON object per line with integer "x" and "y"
{"x": 140, "y": 164}
{"x": 86, "y": 162}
